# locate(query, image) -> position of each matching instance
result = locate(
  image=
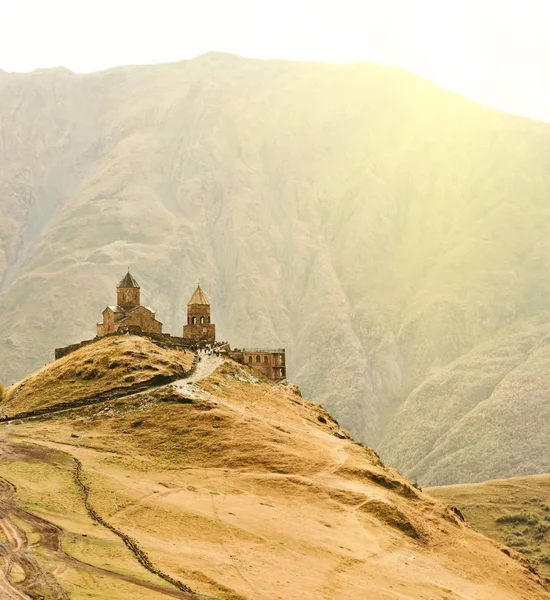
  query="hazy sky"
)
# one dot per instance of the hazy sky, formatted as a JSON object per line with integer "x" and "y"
{"x": 494, "y": 51}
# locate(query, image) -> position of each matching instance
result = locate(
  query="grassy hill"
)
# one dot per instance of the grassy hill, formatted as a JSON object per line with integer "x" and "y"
{"x": 229, "y": 487}
{"x": 515, "y": 512}
{"x": 92, "y": 370}
{"x": 393, "y": 236}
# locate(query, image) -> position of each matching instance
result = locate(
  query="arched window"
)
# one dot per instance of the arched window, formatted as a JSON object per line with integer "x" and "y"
{"x": 209, "y": 320}
{"x": 194, "y": 320}
{"x": 258, "y": 358}
{"x": 265, "y": 358}
{"x": 202, "y": 320}
{"x": 249, "y": 359}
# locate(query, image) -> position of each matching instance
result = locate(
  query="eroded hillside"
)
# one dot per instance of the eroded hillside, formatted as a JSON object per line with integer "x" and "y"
{"x": 226, "y": 485}
{"x": 383, "y": 230}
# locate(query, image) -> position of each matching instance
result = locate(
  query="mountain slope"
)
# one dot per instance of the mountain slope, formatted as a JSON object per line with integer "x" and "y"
{"x": 228, "y": 487}
{"x": 493, "y": 400}
{"x": 378, "y": 227}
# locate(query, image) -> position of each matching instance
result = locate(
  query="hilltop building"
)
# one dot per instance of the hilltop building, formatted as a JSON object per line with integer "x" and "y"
{"x": 199, "y": 329}
{"x": 128, "y": 312}
{"x": 272, "y": 363}
{"x": 129, "y": 316}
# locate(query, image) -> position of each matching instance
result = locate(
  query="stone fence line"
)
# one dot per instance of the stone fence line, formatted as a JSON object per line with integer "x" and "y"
{"x": 164, "y": 340}
{"x": 130, "y": 542}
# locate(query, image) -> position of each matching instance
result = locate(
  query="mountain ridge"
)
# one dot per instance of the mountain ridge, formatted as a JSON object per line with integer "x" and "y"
{"x": 378, "y": 227}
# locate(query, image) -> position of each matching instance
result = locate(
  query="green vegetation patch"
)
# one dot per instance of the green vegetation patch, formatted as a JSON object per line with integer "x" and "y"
{"x": 514, "y": 512}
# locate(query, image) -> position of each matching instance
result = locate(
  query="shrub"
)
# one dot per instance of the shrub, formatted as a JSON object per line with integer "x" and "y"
{"x": 2, "y": 392}
{"x": 532, "y": 519}
{"x": 516, "y": 540}
{"x": 545, "y": 558}
{"x": 524, "y": 516}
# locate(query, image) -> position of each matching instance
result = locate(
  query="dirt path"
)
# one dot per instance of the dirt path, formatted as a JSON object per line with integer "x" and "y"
{"x": 206, "y": 366}
{"x": 37, "y": 582}
{"x": 8, "y": 592}
{"x": 16, "y": 552}
{"x": 51, "y": 537}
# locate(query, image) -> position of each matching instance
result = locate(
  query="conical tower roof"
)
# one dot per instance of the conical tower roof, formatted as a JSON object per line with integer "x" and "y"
{"x": 198, "y": 297}
{"x": 128, "y": 281}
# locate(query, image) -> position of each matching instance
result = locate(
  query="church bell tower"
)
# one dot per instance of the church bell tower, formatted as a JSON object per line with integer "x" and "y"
{"x": 128, "y": 293}
{"x": 199, "y": 329}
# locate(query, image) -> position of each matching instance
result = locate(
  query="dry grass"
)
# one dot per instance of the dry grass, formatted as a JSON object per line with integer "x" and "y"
{"x": 109, "y": 363}
{"x": 258, "y": 430}
{"x": 244, "y": 490}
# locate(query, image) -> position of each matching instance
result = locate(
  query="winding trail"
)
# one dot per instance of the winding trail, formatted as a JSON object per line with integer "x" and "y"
{"x": 200, "y": 370}
{"x": 204, "y": 368}
{"x": 16, "y": 552}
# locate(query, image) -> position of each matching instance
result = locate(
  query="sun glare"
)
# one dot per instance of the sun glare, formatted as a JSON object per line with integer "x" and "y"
{"x": 496, "y": 52}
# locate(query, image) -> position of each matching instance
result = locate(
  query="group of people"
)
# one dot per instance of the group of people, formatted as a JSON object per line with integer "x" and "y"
{"x": 214, "y": 349}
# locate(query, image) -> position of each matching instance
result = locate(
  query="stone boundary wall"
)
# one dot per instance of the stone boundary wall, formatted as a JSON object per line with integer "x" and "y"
{"x": 61, "y": 352}
{"x": 130, "y": 542}
{"x": 164, "y": 340}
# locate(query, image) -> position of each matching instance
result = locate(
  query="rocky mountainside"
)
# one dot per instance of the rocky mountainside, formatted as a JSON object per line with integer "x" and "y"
{"x": 394, "y": 237}
{"x": 220, "y": 485}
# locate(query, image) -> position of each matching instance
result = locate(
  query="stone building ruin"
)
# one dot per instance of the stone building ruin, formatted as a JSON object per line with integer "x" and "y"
{"x": 272, "y": 363}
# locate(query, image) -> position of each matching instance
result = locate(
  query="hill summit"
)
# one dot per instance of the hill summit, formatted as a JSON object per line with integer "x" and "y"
{"x": 218, "y": 484}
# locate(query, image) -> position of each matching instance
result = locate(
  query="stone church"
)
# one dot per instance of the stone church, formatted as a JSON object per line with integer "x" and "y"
{"x": 199, "y": 329}
{"x": 129, "y": 316}
{"x": 128, "y": 312}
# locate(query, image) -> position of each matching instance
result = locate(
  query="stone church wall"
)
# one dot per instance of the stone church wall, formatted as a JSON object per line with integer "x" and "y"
{"x": 141, "y": 317}
{"x": 200, "y": 334}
